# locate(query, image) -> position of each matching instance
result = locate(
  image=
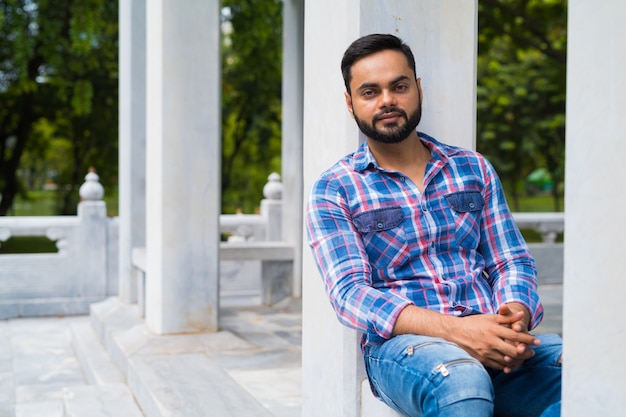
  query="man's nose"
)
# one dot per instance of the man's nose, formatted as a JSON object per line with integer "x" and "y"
{"x": 387, "y": 98}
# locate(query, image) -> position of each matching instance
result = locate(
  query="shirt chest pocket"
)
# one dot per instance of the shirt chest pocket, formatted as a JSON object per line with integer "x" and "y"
{"x": 383, "y": 236}
{"x": 467, "y": 209}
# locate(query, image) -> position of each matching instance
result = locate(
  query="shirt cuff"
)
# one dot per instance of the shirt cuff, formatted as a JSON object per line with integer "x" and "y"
{"x": 384, "y": 313}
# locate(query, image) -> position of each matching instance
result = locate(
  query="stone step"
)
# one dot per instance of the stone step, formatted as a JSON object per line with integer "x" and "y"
{"x": 97, "y": 365}
{"x": 189, "y": 385}
{"x": 249, "y": 368}
{"x": 110, "y": 317}
{"x": 108, "y": 400}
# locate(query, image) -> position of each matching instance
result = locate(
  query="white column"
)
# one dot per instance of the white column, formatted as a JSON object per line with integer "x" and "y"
{"x": 183, "y": 165}
{"x": 92, "y": 238}
{"x": 593, "y": 328}
{"x": 442, "y": 35}
{"x": 292, "y": 114}
{"x": 132, "y": 140}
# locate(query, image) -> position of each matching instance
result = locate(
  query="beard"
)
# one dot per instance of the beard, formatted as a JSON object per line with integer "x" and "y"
{"x": 392, "y": 133}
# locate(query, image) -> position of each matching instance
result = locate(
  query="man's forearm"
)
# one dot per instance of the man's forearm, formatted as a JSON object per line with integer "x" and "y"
{"x": 487, "y": 337}
{"x": 418, "y": 320}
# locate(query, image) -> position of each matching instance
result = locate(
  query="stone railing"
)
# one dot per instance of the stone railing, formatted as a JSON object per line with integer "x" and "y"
{"x": 549, "y": 253}
{"x": 256, "y": 265}
{"x": 83, "y": 271}
{"x": 265, "y": 226}
{"x": 549, "y": 225}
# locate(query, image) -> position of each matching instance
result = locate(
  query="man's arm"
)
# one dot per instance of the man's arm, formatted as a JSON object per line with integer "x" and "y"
{"x": 341, "y": 258}
{"x": 490, "y": 338}
{"x": 510, "y": 266}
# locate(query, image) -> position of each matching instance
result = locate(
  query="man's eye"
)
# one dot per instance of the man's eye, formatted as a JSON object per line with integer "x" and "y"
{"x": 401, "y": 88}
{"x": 367, "y": 93}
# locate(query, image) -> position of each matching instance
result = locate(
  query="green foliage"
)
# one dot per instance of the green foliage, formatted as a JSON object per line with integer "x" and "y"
{"x": 251, "y": 100}
{"x": 28, "y": 244}
{"x": 58, "y": 89}
{"x": 521, "y": 89}
{"x": 58, "y": 78}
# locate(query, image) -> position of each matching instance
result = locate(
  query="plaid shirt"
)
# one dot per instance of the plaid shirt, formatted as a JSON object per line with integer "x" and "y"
{"x": 381, "y": 245}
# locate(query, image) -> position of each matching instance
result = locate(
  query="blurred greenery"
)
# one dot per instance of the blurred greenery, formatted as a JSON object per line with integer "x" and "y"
{"x": 521, "y": 92}
{"x": 43, "y": 203}
{"x": 58, "y": 88}
{"x": 251, "y": 100}
{"x": 59, "y": 79}
{"x": 28, "y": 244}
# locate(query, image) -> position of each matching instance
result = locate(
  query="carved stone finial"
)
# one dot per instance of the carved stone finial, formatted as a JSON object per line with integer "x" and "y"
{"x": 273, "y": 190}
{"x": 91, "y": 190}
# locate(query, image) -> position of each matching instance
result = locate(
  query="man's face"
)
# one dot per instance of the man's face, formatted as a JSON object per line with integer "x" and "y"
{"x": 386, "y": 98}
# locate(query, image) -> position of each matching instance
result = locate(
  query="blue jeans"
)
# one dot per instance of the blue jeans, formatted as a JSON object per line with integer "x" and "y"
{"x": 426, "y": 376}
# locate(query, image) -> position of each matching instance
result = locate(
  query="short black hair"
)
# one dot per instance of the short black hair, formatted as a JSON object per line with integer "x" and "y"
{"x": 370, "y": 44}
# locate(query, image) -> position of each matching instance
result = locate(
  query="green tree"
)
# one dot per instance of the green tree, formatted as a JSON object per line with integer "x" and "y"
{"x": 521, "y": 89}
{"x": 251, "y": 100}
{"x": 58, "y": 86}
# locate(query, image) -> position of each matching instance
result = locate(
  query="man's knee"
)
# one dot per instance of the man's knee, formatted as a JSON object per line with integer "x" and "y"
{"x": 550, "y": 351}
{"x": 427, "y": 376}
{"x": 463, "y": 383}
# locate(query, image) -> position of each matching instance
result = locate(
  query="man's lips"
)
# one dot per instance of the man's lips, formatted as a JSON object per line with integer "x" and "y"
{"x": 389, "y": 117}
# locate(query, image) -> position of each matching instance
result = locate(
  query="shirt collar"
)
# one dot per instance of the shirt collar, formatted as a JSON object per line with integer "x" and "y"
{"x": 363, "y": 157}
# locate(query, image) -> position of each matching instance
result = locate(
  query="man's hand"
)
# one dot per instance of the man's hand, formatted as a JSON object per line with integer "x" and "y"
{"x": 491, "y": 339}
{"x": 511, "y": 311}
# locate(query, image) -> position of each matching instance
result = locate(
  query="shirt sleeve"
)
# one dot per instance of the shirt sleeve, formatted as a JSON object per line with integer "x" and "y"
{"x": 511, "y": 268}
{"x": 340, "y": 256}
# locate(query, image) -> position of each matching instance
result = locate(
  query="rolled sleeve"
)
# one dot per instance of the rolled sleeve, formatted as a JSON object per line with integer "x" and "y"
{"x": 509, "y": 263}
{"x": 341, "y": 259}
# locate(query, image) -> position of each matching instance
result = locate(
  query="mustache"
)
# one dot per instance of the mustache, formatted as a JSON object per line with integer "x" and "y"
{"x": 382, "y": 113}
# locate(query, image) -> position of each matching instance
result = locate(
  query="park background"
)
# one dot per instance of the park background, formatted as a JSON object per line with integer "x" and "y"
{"x": 59, "y": 95}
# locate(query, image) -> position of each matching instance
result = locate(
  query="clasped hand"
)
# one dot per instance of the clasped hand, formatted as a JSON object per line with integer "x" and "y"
{"x": 500, "y": 341}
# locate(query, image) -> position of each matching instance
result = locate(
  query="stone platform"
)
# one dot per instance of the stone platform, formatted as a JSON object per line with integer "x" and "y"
{"x": 110, "y": 364}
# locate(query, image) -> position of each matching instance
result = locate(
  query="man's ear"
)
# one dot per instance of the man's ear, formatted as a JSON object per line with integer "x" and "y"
{"x": 418, "y": 81}
{"x": 349, "y": 103}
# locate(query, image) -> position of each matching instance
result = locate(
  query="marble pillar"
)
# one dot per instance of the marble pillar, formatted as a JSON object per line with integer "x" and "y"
{"x": 292, "y": 99}
{"x": 132, "y": 140}
{"x": 593, "y": 328}
{"x": 183, "y": 169}
{"x": 442, "y": 35}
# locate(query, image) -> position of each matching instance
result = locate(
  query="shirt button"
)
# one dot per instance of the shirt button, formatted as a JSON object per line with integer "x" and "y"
{"x": 380, "y": 225}
{"x": 432, "y": 244}
{"x": 402, "y": 179}
{"x": 472, "y": 205}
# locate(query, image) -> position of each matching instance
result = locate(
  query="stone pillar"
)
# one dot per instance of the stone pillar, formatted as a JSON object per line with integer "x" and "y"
{"x": 132, "y": 140}
{"x": 92, "y": 241}
{"x": 292, "y": 114}
{"x": 183, "y": 165}
{"x": 593, "y": 328}
{"x": 272, "y": 208}
{"x": 442, "y": 35}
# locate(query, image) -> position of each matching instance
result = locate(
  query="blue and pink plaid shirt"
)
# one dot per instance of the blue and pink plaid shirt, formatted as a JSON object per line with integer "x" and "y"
{"x": 381, "y": 244}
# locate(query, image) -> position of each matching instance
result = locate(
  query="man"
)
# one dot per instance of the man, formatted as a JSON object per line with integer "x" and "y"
{"x": 419, "y": 252}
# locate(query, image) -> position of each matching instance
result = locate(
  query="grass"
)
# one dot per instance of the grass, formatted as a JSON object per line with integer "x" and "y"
{"x": 539, "y": 203}
{"x": 28, "y": 244}
{"x": 42, "y": 203}
{"x": 39, "y": 203}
